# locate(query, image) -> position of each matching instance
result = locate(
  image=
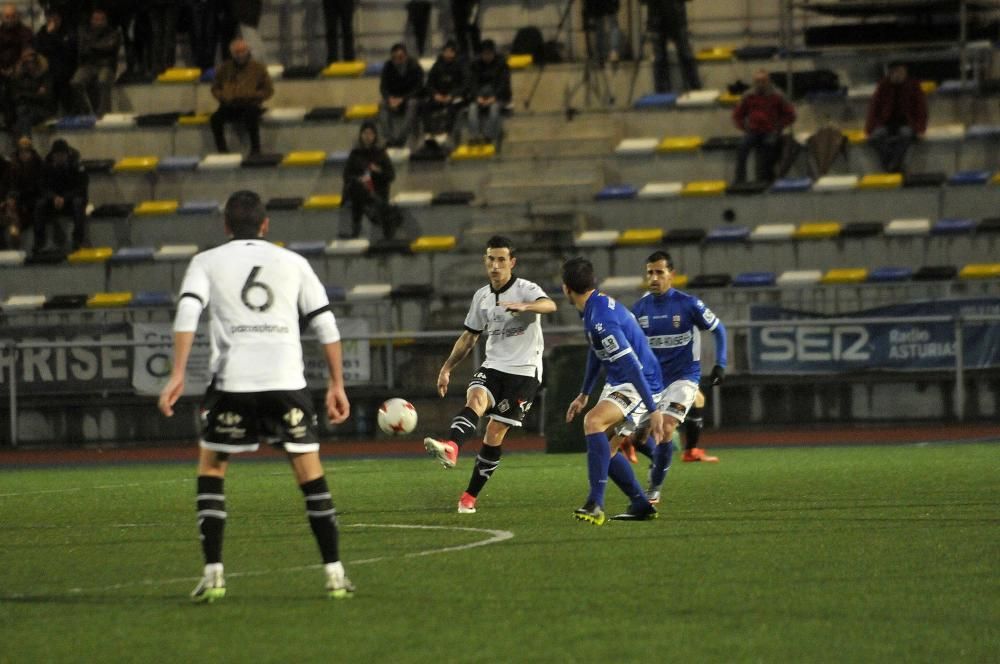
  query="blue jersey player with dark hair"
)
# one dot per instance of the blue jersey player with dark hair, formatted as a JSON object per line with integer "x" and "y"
{"x": 631, "y": 398}
{"x": 672, "y": 320}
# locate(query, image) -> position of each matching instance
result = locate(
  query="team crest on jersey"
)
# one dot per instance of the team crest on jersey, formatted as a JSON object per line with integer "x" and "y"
{"x": 677, "y": 320}
{"x": 294, "y": 417}
{"x": 643, "y": 321}
{"x": 525, "y": 406}
{"x": 503, "y": 406}
{"x": 228, "y": 419}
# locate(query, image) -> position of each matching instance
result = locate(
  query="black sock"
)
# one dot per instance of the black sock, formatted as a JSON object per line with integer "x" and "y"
{"x": 463, "y": 425}
{"x": 486, "y": 462}
{"x": 322, "y": 518}
{"x": 693, "y": 424}
{"x": 211, "y": 517}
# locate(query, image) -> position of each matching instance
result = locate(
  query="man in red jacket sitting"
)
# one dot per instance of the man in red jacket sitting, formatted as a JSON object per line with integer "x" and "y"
{"x": 762, "y": 115}
{"x": 897, "y": 114}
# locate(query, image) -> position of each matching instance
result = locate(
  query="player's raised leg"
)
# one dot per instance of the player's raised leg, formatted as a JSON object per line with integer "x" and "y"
{"x": 211, "y": 504}
{"x": 463, "y": 425}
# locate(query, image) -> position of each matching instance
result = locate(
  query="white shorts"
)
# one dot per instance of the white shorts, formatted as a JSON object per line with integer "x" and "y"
{"x": 626, "y": 397}
{"x": 678, "y": 399}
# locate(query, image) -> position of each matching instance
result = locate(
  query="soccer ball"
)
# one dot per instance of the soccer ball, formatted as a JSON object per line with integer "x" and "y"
{"x": 397, "y": 417}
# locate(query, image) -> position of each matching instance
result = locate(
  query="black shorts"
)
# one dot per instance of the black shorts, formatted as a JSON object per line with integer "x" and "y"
{"x": 240, "y": 421}
{"x": 510, "y": 395}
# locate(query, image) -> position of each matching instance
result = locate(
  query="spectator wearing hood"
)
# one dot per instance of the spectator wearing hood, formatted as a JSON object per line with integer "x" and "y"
{"x": 64, "y": 193}
{"x": 56, "y": 40}
{"x": 761, "y": 115}
{"x": 31, "y": 92}
{"x": 897, "y": 115}
{"x": 446, "y": 88}
{"x": 241, "y": 86}
{"x": 489, "y": 88}
{"x": 99, "y": 44}
{"x": 367, "y": 176}
{"x": 401, "y": 85}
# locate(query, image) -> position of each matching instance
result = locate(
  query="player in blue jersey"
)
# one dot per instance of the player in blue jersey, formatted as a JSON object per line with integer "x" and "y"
{"x": 672, "y": 321}
{"x": 630, "y": 399}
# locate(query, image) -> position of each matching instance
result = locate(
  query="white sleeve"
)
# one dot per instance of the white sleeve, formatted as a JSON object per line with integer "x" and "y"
{"x": 474, "y": 319}
{"x": 193, "y": 298}
{"x": 533, "y": 292}
{"x": 314, "y": 306}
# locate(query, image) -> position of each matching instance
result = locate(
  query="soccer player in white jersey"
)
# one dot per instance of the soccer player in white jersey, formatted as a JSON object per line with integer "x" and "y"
{"x": 258, "y": 294}
{"x": 508, "y": 312}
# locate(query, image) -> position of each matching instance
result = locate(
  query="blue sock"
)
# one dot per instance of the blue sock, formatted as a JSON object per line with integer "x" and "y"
{"x": 646, "y": 448}
{"x": 598, "y": 457}
{"x": 662, "y": 457}
{"x": 620, "y": 471}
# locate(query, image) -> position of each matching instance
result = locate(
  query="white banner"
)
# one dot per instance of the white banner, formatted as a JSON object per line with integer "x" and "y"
{"x": 151, "y": 366}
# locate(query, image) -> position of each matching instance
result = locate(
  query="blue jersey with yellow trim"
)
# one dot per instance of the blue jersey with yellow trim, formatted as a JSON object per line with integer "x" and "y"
{"x": 672, "y": 323}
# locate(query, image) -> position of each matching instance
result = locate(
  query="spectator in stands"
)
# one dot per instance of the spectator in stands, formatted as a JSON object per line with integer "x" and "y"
{"x": 15, "y": 36}
{"x": 401, "y": 85}
{"x": 667, "y": 20}
{"x": 10, "y": 229}
{"x": 162, "y": 16}
{"x": 202, "y": 18}
{"x": 897, "y": 115}
{"x": 242, "y": 85}
{"x": 465, "y": 21}
{"x": 761, "y": 115}
{"x": 124, "y": 16}
{"x": 56, "y": 40}
{"x": 446, "y": 86}
{"x": 489, "y": 86}
{"x": 72, "y": 11}
{"x": 339, "y": 13}
{"x": 604, "y": 37}
{"x": 31, "y": 91}
{"x": 64, "y": 193}
{"x": 367, "y": 176}
{"x": 25, "y": 186}
{"x": 99, "y": 44}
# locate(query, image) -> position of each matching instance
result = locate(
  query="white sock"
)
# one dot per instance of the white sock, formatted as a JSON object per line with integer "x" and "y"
{"x": 213, "y": 568}
{"x": 334, "y": 569}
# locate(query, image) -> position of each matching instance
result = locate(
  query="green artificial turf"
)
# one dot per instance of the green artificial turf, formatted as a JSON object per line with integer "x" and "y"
{"x": 820, "y": 554}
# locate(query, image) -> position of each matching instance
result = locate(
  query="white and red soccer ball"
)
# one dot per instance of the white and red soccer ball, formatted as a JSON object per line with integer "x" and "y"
{"x": 397, "y": 417}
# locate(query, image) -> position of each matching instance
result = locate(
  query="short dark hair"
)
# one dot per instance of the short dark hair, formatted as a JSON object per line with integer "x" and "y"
{"x": 661, "y": 256}
{"x": 500, "y": 242}
{"x": 398, "y": 46}
{"x": 244, "y": 214}
{"x": 578, "y": 275}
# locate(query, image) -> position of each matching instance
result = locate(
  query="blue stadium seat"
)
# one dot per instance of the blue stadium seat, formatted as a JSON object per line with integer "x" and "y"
{"x": 152, "y": 299}
{"x": 198, "y": 207}
{"x": 890, "y": 273}
{"x": 967, "y": 178}
{"x": 791, "y": 185}
{"x": 614, "y": 192}
{"x": 374, "y": 68}
{"x": 754, "y": 279}
{"x": 983, "y": 131}
{"x": 133, "y": 255}
{"x": 73, "y": 122}
{"x": 953, "y": 226}
{"x": 656, "y": 100}
{"x": 337, "y": 157}
{"x": 728, "y": 234}
{"x": 956, "y": 87}
{"x": 178, "y": 163}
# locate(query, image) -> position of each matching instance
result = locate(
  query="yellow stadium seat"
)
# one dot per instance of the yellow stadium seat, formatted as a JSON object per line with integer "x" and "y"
{"x": 996, "y": 178}
{"x": 929, "y": 87}
{"x": 715, "y": 54}
{"x": 817, "y": 230}
{"x": 680, "y": 144}
{"x": 90, "y": 255}
{"x": 348, "y": 68}
{"x": 855, "y": 136}
{"x": 152, "y": 208}
{"x": 704, "y": 188}
{"x": 194, "y": 120}
{"x": 180, "y": 75}
{"x": 427, "y": 243}
{"x": 729, "y": 99}
{"x": 520, "y": 61}
{"x": 136, "y": 164}
{"x": 679, "y": 281}
{"x": 468, "y": 152}
{"x": 323, "y": 202}
{"x": 314, "y": 158}
{"x": 360, "y": 111}
{"x": 881, "y": 181}
{"x": 641, "y": 236}
{"x": 101, "y": 300}
{"x": 845, "y": 275}
{"x": 980, "y": 271}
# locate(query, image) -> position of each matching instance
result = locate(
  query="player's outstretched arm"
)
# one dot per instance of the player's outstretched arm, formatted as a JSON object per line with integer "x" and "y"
{"x": 576, "y": 406}
{"x": 338, "y": 408}
{"x": 463, "y": 346}
{"x": 542, "y": 305}
{"x": 172, "y": 391}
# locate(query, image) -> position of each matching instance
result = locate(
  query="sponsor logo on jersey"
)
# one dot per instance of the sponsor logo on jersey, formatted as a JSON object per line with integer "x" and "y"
{"x": 677, "y": 320}
{"x": 610, "y": 344}
{"x": 671, "y": 340}
{"x": 643, "y": 321}
{"x": 621, "y": 399}
{"x": 228, "y": 418}
{"x": 294, "y": 417}
{"x": 503, "y": 406}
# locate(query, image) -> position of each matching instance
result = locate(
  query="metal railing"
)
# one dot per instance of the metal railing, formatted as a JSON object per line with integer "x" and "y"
{"x": 11, "y": 350}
